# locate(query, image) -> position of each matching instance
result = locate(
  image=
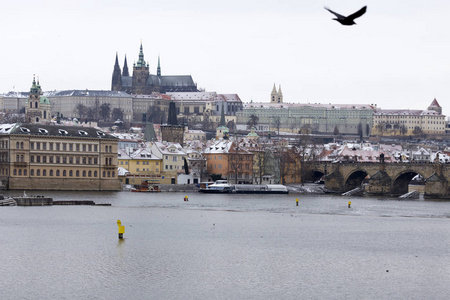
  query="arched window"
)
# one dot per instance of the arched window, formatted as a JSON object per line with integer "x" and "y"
{"x": 15, "y": 172}
{"x": 104, "y": 173}
{"x": 21, "y": 158}
{"x": 57, "y": 172}
{"x": 64, "y": 173}
{"x": 110, "y": 160}
{"x": 90, "y": 174}
{"x": 45, "y": 114}
{"x": 84, "y": 173}
{"x": 44, "y": 172}
{"x": 31, "y": 104}
{"x": 17, "y": 145}
{"x": 106, "y": 160}
{"x": 95, "y": 173}
{"x": 20, "y": 172}
{"x": 35, "y": 104}
{"x": 17, "y": 158}
{"x": 25, "y": 172}
{"x": 38, "y": 172}
{"x": 77, "y": 174}
{"x": 21, "y": 145}
{"x": 113, "y": 174}
{"x": 37, "y": 120}
{"x": 110, "y": 149}
{"x": 106, "y": 148}
{"x": 32, "y": 172}
{"x": 51, "y": 172}
{"x": 109, "y": 174}
{"x": 70, "y": 173}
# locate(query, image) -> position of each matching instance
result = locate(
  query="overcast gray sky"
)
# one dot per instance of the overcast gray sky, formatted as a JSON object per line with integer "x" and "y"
{"x": 398, "y": 56}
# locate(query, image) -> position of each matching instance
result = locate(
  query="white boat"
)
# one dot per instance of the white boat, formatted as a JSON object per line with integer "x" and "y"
{"x": 218, "y": 187}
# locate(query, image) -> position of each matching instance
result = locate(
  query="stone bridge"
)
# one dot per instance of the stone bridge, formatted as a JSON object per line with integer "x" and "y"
{"x": 381, "y": 178}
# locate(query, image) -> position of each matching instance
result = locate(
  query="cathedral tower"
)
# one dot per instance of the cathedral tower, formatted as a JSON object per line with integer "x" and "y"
{"x": 140, "y": 75}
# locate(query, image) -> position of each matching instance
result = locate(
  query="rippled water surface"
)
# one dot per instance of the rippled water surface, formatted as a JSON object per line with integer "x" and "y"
{"x": 226, "y": 247}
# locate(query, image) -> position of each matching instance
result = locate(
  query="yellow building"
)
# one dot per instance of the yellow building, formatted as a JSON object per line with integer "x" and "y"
{"x": 172, "y": 156}
{"x": 141, "y": 165}
{"x": 55, "y": 157}
{"x": 409, "y": 122}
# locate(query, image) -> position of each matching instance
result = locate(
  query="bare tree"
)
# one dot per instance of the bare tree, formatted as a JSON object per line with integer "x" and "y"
{"x": 253, "y": 121}
{"x": 235, "y": 162}
{"x": 117, "y": 114}
{"x": 105, "y": 111}
{"x": 80, "y": 110}
{"x": 155, "y": 114}
{"x": 277, "y": 124}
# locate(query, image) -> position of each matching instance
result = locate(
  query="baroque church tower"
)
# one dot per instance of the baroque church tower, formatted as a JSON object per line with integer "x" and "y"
{"x": 276, "y": 97}
{"x": 37, "y": 107}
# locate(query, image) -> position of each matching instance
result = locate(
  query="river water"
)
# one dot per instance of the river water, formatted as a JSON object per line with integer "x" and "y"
{"x": 226, "y": 247}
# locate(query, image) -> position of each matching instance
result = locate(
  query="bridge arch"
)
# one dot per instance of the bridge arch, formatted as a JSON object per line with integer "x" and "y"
{"x": 401, "y": 182}
{"x": 355, "y": 179}
{"x": 313, "y": 175}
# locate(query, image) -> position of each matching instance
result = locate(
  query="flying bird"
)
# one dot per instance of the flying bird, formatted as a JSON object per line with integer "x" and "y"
{"x": 349, "y": 20}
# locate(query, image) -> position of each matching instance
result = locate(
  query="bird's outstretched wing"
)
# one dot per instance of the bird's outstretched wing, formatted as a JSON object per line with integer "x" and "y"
{"x": 334, "y": 13}
{"x": 358, "y": 14}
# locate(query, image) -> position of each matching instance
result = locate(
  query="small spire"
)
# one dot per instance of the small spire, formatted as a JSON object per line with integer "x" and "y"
{"x": 158, "y": 70}
{"x": 117, "y": 60}
{"x": 222, "y": 116}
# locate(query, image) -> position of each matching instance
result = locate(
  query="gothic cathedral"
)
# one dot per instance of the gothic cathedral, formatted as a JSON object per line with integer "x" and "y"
{"x": 144, "y": 83}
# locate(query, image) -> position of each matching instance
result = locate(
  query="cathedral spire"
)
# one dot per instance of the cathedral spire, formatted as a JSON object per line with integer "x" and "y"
{"x": 125, "y": 68}
{"x": 158, "y": 71}
{"x": 141, "y": 62}
{"x": 116, "y": 82}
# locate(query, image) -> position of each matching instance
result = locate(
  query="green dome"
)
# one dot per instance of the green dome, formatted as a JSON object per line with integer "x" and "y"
{"x": 44, "y": 100}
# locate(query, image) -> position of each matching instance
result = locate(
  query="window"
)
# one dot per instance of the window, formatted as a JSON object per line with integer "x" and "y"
{"x": 84, "y": 173}
{"x": 50, "y": 158}
{"x": 77, "y": 147}
{"x": 38, "y": 159}
{"x": 57, "y": 173}
{"x": 17, "y": 147}
{"x": 95, "y": 173}
{"x": 90, "y": 150}
{"x": 77, "y": 159}
{"x": 21, "y": 145}
{"x": 50, "y": 146}
{"x": 70, "y": 173}
{"x": 95, "y": 160}
{"x": 77, "y": 174}
{"x": 84, "y": 160}
{"x": 106, "y": 148}
{"x": 44, "y": 172}
{"x": 44, "y": 158}
{"x": 70, "y": 159}
{"x": 32, "y": 146}
{"x": 32, "y": 172}
{"x": 64, "y": 146}
{"x": 104, "y": 173}
{"x": 38, "y": 146}
{"x": 15, "y": 172}
{"x": 58, "y": 159}
{"x": 51, "y": 172}
{"x": 90, "y": 174}
{"x": 84, "y": 147}
{"x": 57, "y": 146}
{"x": 25, "y": 172}
{"x": 70, "y": 147}
{"x": 95, "y": 148}
{"x": 64, "y": 159}
{"x": 64, "y": 173}
{"x": 174, "y": 158}
{"x": 90, "y": 161}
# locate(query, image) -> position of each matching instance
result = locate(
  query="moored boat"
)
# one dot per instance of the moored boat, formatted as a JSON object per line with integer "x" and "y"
{"x": 146, "y": 187}
{"x": 218, "y": 187}
{"x": 260, "y": 189}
